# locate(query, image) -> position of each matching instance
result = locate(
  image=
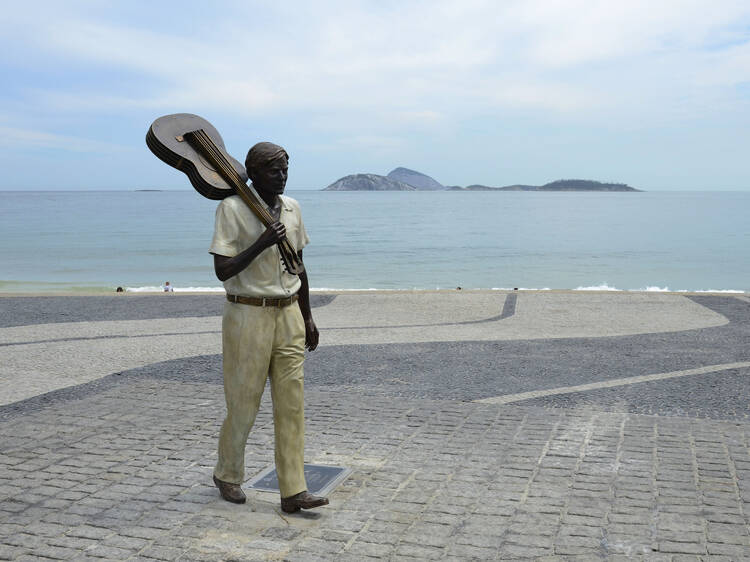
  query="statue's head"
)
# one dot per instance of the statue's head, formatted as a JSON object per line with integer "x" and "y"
{"x": 267, "y": 166}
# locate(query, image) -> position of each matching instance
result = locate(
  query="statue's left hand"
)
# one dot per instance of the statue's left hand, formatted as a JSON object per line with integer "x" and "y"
{"x": 311, "y": 335}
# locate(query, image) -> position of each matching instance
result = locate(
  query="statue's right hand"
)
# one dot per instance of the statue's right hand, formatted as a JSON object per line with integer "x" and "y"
{"x": 273, "y": 234}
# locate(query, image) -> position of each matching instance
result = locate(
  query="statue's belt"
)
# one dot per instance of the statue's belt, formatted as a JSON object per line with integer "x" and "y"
{"x": 263, "y": 301}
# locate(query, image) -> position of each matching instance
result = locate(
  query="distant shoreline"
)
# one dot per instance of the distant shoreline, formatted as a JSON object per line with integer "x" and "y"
{"x": 324, "y": 291}
{"x": 403, "y": 179}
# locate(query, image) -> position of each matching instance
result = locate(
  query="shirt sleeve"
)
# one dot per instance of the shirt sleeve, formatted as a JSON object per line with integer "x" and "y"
{"x": 226, "y": 232}
{"x": 302, "y": 238}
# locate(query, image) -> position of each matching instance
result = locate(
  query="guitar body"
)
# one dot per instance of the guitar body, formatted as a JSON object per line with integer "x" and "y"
{"x": 165, "y": 140}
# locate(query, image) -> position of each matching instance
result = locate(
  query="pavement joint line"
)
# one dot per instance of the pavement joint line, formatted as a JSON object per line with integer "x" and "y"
{"x": 733, "y": 472}
{"x": 742, "y": 298}
{"x": 538, "y": 463}
{"x": 510, "y": 398}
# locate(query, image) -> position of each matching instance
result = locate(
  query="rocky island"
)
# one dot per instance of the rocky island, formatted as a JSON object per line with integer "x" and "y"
{"x": 557, "y": 185}
{"x": 404, "y": 179}
{"x": 368, "y": 182}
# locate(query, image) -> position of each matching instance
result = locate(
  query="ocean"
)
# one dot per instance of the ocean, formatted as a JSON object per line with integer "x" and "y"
{"x": 94, "y": 241}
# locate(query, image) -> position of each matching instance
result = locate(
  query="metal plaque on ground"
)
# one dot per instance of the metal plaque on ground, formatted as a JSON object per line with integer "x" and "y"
{"x": 321, "y": 479}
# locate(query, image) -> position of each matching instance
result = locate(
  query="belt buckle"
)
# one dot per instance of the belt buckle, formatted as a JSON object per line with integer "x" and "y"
{"x": 263, "y": 301}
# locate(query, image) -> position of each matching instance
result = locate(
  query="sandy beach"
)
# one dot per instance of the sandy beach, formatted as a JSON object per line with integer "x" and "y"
{"x": 485, "y": 424}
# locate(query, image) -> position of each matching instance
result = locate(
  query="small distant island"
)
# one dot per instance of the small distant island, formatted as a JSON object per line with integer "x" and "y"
{"x": 369, "y": 182}
{"x": 404, "y": 179}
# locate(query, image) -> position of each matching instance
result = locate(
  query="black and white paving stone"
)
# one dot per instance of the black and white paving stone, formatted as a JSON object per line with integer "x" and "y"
{"x": 485, "y": 425}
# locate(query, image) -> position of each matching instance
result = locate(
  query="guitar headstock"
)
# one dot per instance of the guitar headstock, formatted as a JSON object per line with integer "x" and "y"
{"x": 290, "y": 259}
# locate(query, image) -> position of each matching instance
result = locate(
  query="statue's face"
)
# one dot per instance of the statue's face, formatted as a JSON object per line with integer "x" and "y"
{"x": 271, "y": 178}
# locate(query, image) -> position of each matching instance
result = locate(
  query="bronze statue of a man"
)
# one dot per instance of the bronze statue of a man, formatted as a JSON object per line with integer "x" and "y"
{"x": 266, "y": 327}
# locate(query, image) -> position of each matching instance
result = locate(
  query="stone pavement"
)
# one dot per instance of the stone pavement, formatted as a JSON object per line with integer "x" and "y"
{"x": 453, "y": 458}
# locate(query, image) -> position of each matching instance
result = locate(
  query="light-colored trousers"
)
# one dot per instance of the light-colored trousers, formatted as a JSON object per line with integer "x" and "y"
{"x": 262, "y": 342}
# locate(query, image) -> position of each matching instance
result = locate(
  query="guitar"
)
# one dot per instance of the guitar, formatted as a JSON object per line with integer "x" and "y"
{"x": 193, "y": 146}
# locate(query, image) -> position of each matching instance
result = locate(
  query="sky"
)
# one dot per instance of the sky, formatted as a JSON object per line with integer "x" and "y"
{"x": 652, "y": 94}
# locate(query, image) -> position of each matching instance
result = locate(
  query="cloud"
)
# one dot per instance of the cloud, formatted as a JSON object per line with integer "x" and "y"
{"x": 441, "y": 57}
{"x": 566, "y": 33}
{"x": 373, "y": 144}
{"x": 421, "y": 117}
{"x": 11, "y": 137}
{"x": 388, "y": 77}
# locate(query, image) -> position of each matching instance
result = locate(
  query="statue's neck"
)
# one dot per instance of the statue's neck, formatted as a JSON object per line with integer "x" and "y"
{"x": 270, "y": 199}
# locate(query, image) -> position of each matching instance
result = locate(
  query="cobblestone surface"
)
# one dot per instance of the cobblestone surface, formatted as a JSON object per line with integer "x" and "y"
{"x": 125, "y": 473}
{"x": 121, "y": 468}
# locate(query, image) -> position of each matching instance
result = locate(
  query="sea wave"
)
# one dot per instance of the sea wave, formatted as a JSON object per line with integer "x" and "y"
{"x": 656, "y": 289}
{"x": 711, "y": 291}
{"x": 668, "y": 290}
{"x": 330, "y": 289}
{"x": 520, "y": 289}
{"x": 157, "y": 289}
{"x": 339, "y": 290}
{"x": 602, "y": 287}
{"x": 32, "y": 287}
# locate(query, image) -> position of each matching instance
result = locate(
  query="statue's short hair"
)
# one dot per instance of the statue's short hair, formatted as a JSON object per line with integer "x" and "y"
{"x": 261, "y": 154}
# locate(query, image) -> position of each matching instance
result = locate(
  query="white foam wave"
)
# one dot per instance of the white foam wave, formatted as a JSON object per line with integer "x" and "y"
{"x": 668, "y": 290}
{"x": 656, "y": 289}
{"x": 519, "y": 289}
{"x": 331, "y": 289}
{"x": 731, "y": 291}
{"x": 602, "y": 287}
{"x": 351, "y": 290}
{"x": 157, "y": 289}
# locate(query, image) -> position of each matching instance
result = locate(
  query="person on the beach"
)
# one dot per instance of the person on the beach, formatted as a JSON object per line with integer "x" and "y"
{"x": 266, "y": 327}
{"x": 168, "y": 288}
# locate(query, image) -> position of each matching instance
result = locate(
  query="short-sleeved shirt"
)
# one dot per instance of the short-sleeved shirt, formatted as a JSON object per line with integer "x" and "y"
{"x": 237, "y": 228}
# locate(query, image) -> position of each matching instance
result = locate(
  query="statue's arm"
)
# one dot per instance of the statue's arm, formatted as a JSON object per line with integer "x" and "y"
{"x": 311, "y": 330}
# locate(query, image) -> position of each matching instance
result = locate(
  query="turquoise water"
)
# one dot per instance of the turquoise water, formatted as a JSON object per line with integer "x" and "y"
{"x": 95, "y": 241}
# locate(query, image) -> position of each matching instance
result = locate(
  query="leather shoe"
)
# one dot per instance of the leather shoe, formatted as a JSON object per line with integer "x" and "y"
{"x": 230, "y": 492}
{"x": 303, "y": 500}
